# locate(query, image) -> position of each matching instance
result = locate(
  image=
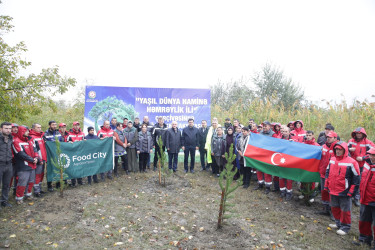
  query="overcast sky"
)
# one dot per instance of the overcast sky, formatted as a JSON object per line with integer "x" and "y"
{"x": 328, "y": 47}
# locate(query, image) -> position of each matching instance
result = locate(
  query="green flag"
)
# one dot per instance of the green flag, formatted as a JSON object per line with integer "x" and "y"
{"x": 83, "y": 158}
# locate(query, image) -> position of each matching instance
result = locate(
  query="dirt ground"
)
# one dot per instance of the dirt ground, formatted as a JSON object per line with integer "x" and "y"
{"x": 135, "y": 212}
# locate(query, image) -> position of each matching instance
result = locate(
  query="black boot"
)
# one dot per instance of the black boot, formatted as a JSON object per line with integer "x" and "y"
{"x": 268, "y": 190}
{"x": 260, "y": 186}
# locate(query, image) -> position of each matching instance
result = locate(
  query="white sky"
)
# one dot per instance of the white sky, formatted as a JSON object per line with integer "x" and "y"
{"x": 328, "y": 47}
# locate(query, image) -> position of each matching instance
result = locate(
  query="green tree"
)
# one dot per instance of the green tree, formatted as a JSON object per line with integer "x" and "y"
{"x": 225, "y": 95}
{"x": 111, "y": 106}
{"x": 272, "y": 85}
{"x": 22, "y": 95}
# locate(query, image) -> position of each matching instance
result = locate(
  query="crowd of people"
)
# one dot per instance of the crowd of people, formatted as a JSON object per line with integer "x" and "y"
{"x": 346, "y": 168}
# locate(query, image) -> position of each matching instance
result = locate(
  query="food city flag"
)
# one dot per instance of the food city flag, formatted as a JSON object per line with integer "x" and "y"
{"x": 285, "y": 159}
{"x": 82, "y": 158}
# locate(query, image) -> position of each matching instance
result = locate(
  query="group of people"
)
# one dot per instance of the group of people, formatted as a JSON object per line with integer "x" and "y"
{"x": 346, "y": 169}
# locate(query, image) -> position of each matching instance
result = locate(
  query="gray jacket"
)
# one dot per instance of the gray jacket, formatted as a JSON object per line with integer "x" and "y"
{"x": 119, "y": 148}
{"x": 173, "y": 140}
{"x": 145, "y": 142}
{"x": 131, "y": 136}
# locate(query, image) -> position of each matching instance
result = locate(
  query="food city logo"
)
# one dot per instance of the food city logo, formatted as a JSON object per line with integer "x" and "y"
{"x": 64, "y": 158}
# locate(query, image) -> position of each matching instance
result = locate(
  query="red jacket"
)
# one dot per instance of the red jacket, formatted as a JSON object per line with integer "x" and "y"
{"x": 327, "y": 154}
{"x": 39, "y": 143}
{"x": 299, "y": 133}
{"x": 75, "y": 135}
{"x": 367, "y": 185}
{"x": 311, "y": 142}
{"x": 342, "y": 175}
{"x": 24, "y": 151}
{"x": 361, "y": 146}
{"x": 105, "y": 132}
{"x": 64, "y": 135}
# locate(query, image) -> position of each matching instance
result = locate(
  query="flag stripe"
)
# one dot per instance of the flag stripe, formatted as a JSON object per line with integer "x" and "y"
{"x": 295, "y": 149}
{"x": 284, "y": 172}
{"x": 264, "y": 155}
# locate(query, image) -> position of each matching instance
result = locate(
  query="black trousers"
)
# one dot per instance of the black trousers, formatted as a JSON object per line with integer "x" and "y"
{"x": 123, "y": 161}
{"x": 143, "y": 160}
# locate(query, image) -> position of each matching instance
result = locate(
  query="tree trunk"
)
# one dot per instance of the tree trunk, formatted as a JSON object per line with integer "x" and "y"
{"x": 221, "y": 209}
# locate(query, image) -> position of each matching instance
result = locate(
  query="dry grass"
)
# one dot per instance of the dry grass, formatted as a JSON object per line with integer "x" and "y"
{"x": 136, "y": 211}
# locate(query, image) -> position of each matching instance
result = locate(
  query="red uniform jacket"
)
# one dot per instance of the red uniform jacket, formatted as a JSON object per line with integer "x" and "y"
{"x": 342, "y": 175}
{"x": 368, "y": 185}
{"x": 24, "y": 151}
{"x": 39, "y": 143}
{"x": 361, "y": 146}
{"x": 105, "y": 132}
{"x": 299, "y": 133}
{"x": 75, "y": 135}
{"x": 327, "y": 154}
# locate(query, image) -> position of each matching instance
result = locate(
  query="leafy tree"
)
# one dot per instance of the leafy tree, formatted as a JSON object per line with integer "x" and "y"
{"x": 272, "y": 85}
{"x": 109, "y": 107}
{"x": 164, "y": 171}
{"x": 22, "y": 95}
{"x": 59, "y": 163}
{"x": 226, "y": 95}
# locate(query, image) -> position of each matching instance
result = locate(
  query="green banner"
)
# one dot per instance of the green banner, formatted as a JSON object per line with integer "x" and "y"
{"x": 82, "y": 158}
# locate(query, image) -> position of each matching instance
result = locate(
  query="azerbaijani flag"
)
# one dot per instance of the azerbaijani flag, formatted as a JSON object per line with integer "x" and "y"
{"x": 285, "y": 159}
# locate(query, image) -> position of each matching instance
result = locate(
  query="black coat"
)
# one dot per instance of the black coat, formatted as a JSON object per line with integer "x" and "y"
{"x": 190, "y": 137}
{"x": 173, "y": 140}
{"x": 202, "y": 136}
{"x": 6, "y": 150}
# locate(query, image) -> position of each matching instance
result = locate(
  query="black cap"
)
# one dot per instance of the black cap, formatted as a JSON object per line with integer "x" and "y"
{"x": 227, "y": 119}
{"x": 89, "y": 128}
{"x": 130, "y": 122}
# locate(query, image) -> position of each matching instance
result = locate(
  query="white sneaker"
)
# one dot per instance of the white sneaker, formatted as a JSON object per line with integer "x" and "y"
{"x": 340, "y": 232}
{"x": 332, "y": 226}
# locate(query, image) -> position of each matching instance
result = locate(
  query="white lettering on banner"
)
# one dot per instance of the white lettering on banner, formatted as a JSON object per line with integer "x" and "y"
{"x": 165, "y": 110}
{"x": 148, "y": 101}
{"x": 195, "y": 101}
{"x": 167, "y": 100}
{"x": 89, "y": 156}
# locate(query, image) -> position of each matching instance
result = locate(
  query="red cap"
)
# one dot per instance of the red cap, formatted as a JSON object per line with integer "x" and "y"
{"x": 371, "y": 151}
{"x": 62, "y": 125}
{"x": 14, "y": 125}
{"x": 75, "y": 123}
{"x": 332, "y": 134}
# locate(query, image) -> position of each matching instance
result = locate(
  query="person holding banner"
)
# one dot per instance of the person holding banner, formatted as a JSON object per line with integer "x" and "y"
{"x": 50, "y": 135}
{"x": 75, "y": 134}
{"x": 342, "y": 180}
{"x": 131, "y": 135}
{"x": 120, "y": 148}
{"x": 144, "y": 147}
{"x": 105, "y": 132}
{"x": 91, "y": 136}
{"x": 286, "y": 185}
{"x": 189, "y": 141}
{"x": 241, "y": 146}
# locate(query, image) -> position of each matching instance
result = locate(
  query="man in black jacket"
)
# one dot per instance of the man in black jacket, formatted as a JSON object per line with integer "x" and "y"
{"x": 202, "y": 136}
{"x": 6, "y": 169}
{"x": 189, "y": 144}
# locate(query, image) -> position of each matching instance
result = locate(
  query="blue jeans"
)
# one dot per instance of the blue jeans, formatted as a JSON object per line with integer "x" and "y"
{"x": 172, "y": 161}
{"x": 189, "y": 150}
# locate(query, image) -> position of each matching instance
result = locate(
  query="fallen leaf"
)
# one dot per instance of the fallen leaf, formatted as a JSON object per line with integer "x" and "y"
{"x": 183, "y": 228}
{"x": 280, "y": 245}
{"x": 106, "y": 226}
{"x": 190, "y": 237}
{"x": 289, "y": 233}
{"x": 47, "y": 228}
{"x": 12, "y": 236}
{"x": 328, "y": 228}
{"x": 302, "y": 217}
{"x": 253, "y": 234}
{"x": 315, "y": 221}
{"x": 252, "y": 225}
{"x": 118, "y": 243}
{"x": 49, "y": 243}
{"x": 103, "y": 218}
{"x": 201, "y": 229}
{"x": 302, "y": 223}
{"x": 130, "y": 240}
{"x": 295, "y": 230}
{"x": 31, "y": 203}
{"x": 301, "y": 234}
{"x": 4, "y": 219}
{"x": 55, "y": 245}
{"x": 32, "y": 221}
